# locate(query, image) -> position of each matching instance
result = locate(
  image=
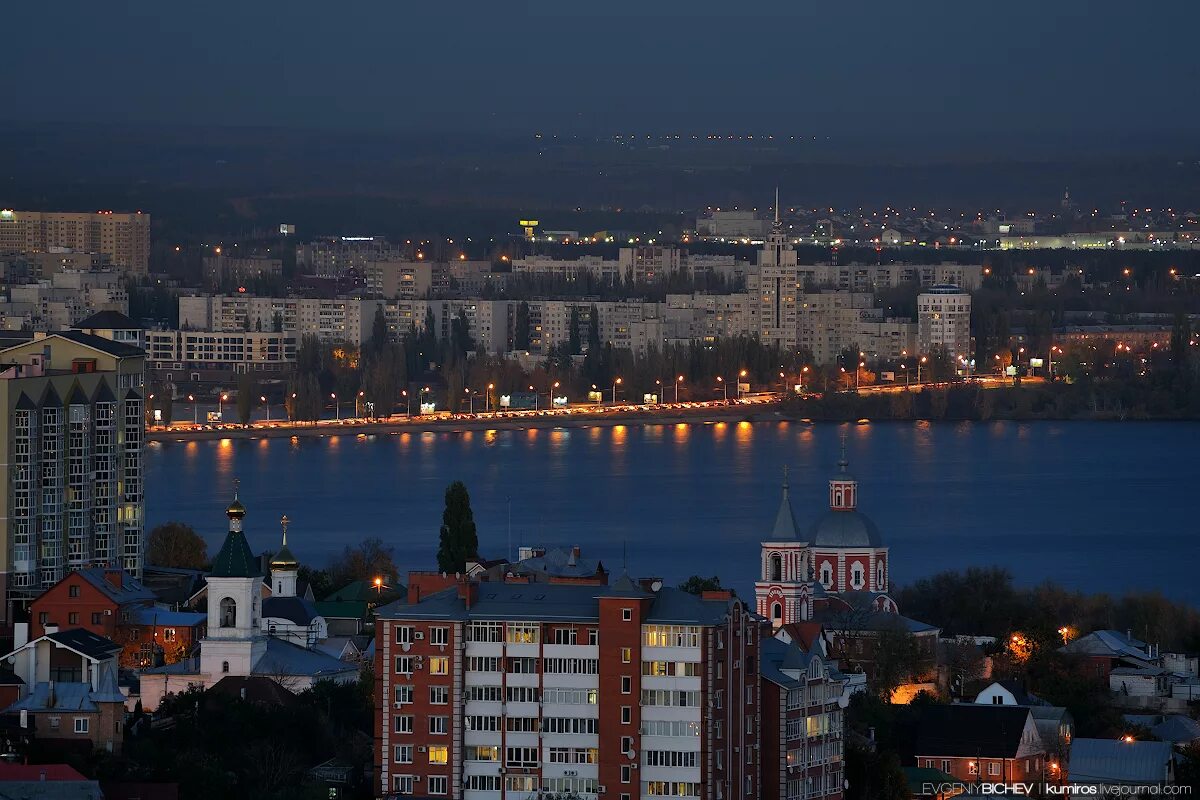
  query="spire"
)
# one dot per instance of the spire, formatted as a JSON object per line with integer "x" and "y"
{"x": 843, "y": 489}
{"x": 235, "y": 560}
{"x": 785, "y": 527}
{"x": 842, "y": 462}
{"x": 284, "y": 558}
{"x": 777, "y": 221}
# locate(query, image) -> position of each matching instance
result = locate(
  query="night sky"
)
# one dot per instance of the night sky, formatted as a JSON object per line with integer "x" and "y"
{"x": 1086, "y": 68}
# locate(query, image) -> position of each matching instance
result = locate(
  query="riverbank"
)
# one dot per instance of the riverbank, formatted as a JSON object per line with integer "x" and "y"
{"x": 755, "y": 412}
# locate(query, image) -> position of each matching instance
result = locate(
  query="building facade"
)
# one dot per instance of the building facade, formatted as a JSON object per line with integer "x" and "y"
{"x": 505, "y": 689}
{"x": 124, "y": 239}
{"x": 73, "y": 438}
{"x": 341, "y": 320}
{"x": 944, "y": 321}
{"x": 175, "y": 355}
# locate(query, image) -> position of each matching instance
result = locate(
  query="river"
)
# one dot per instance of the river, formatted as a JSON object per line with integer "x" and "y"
{"x": 1095, "y": 506}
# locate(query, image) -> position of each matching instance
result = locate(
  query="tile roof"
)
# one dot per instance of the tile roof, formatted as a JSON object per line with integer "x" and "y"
{"x": 64, "y": 696}
{"x": 558, "y": 563}
{"x": 131, "y": 589}
{"x": 280, "y": 659}
{"x": 235, "y": 559}
{"x": 966, "y": 729}
{"x": 293, "y": 609}
{"x": 115, "y": 349}
{"x": 1106, "y": 643}
{"x": 556, "y": 601}
{"x": 153, "y": 615}
{"x": 51, "y": 790}
{"x": 1112, "y": 761}
{"x": 107, "y": 320}
{"x": 85, "y": 643}
{"x": 342, "y": 609}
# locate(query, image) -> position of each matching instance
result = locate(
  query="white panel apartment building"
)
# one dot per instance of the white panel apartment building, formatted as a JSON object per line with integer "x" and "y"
{"x": 944, "y": 320}
{"x": 243, "y": 351}
{"x": 337, "y": 320}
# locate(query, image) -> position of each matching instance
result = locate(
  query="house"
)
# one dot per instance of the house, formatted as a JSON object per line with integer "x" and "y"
{"x": 1178, "y": 729}
{"x": 1006, "y": 693}
{"x": 113, "y": 604}
{"x": 1117, "y": 762}
{"x": 70, "y": 695}
{"x": 979, "y": 743}
{"x": 1105, "y": 650}
{"x": 46, "y": 782}
{"x": 1056, "y": 726}
{"x": 1143, "y": 681}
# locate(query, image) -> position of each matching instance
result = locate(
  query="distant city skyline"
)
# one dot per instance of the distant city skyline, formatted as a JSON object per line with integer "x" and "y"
{"x": 1071, "y": 71}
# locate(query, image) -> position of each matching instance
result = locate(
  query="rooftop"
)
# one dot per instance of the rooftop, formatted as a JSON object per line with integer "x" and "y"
{"x": 1112, "y": 761}
{"x": 965, "y": 730}
{"x": 130, "y": 591}
{"x": 107, "y": 320}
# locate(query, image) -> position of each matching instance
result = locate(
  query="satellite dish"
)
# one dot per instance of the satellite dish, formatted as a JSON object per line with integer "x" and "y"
{"x": 656, "y": 585}
{"x": 406, "y": 646}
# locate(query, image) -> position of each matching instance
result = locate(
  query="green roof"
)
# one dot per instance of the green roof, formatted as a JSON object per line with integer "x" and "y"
{"x": 919, "y": 777}
{"x": 342, "y": 609}
{"x": 235, "y": 559}
{"x": 284, "y": 558}
{"x": 355, "y": 590}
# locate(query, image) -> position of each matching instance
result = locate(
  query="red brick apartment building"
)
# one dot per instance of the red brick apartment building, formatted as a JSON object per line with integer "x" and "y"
{"x": 494, "y": 690}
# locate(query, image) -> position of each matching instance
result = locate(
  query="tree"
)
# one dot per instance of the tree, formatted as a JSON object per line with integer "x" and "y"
{"x": 574, "y": 340}
{"x": 277, "y": 322}
{"x": 247, "y": 394}
{"x": 897, "y": 659}
{"x": 369, "y": 560}
{"x": 697, "y": 585}
{"x": 521, "y": 327}
{"x": 175, "y": 544}
{"x": 458, "y": 540}
{"x": 379, "y": 331}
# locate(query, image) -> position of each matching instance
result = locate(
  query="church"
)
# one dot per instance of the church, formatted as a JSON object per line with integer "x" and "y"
{"x": 242, "y": 633}
{"x": 839, "y": 563}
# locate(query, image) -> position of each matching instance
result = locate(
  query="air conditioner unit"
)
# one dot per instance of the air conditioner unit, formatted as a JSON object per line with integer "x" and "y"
{"x": 634, "y": 765}
{"x": 503, "y": 771}
{"x": 422, "y": 749}
{"x": 419, "y": 635}
{"x": 398, "y": 704}
{"x": 601, "y": 789}
{"x": 419, "y": 661}
{"x": 108, "y": 612}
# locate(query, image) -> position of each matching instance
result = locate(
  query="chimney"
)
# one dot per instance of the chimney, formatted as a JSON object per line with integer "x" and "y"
{"x": 574, "y": 559}
{"x": 114, "y": 577}
{"x": 414, "y": 593}
{"x": 716, "y": 594}
{"x": 468, "y": 591}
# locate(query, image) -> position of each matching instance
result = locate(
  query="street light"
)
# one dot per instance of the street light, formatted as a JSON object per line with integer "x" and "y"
{"x": 407, "y": 403}
{"x": 263, "y": 398}
{"x": 195, "y": 410}
{"x": 358, "y": 403}
{"x": 724, "y": 389}
{"x": 858, "y": 372}
{"x": 678, "y": 381}
{"x": 907, "y": 374}
{"x": 741, "y": 375}
{"x": 615, "y": 382}
{"x": 919, "y": 363}
{"x": 535, "y": 398}
{"x": 802, "y": 373}
{"x": 337, "y": 411}
{"x": 488, "y": 399}
{"x": 220, "y": 401}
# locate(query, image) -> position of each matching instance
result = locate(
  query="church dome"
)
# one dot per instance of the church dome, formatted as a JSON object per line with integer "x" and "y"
{"x": 236, "y": 510}
{"x": 284, "y": 559}
{"x": 845, "y": 529}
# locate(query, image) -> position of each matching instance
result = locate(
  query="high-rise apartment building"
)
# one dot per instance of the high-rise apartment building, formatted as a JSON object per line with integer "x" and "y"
{"x": 72, "y": 459}
{"x": 123, "y": 238}
{"x": 774, "y": 289}
{"x": 344, "y": 320}
{"x": 491, "y": 690}
{"x": 944, "y": 320}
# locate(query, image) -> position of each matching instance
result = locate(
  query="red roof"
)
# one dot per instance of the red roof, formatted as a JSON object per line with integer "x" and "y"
{"x": 804, "y": 633}
{"x": 34, "y": 772}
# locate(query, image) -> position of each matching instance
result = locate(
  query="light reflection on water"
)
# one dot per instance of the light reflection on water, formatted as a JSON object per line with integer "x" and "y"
{"x": 1048, "y": 500}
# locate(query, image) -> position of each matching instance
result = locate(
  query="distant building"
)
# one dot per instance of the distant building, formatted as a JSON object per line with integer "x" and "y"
{"x": 979, "y": 743}
{"x": 222, "y": 267}
{"x": 944, "y": 320}
{"x": 124, "y": 239}
{"x": 732, "y": 225}
{"x": 198, "y": 356}
{"x": 343, "y": 320}
{"x": 337, "y": 257}
{"x": 650, "y": 263}
{"x": 774, "y": 290}
{"x": 1117, "y": 763}
{"x": 62, "y": 300}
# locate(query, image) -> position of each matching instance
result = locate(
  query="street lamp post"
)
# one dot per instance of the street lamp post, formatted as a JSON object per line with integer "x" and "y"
{"x": 919, "y": 363}
{"x": 358, "y": 402}
{"x": 263, "y": 398}
{"x": 904, "y": 369}
{"x": 220, "y": 405}
{"x": 195, "y": 410}
{"x": 488, "y": 399}
{"x": 337, "y": 411}
{"x": 724, "y": 389}
{"x": 678, "y": 380}
{"x": 857, "y": 373}
{"x": 553, "y": 389}
{"x": 741, "y": 375}
{"x": 661, "y": 391}
{"x": 471, "y": 398}
{"x": 615, "y": 382}
{"x": 407, "y": 403}
{"x": 803, "y": 370}
{"x": 535, "y": 398}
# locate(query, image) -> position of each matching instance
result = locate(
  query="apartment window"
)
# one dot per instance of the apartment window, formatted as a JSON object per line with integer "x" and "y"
{"x": 439, "y": 695}
{"x": 439, "y": 725}
{"x": 593, "y": 636}
{"x": 626, "y": 684}
{"x": 522, "y": 665}
{"x": 439, "y": 754}
{"x": 627, "y": 614}
{"x": 972, "y": 768}
{"x": 43, "y": 618}
{"x": 439, "y": 636}
{"x": 73, "y": 618}
{"x": 626, "y": 745}
{"x": 404, "y": 665}
{"x": 626, "y": 655}
{"x": 404, "y": 634}
{"x": 572, "y": 666}
{"x": 482, "y": 723}
{"x": 439, "y": 665}
{"x": 402, "y": 784}
{"x": 522, "y": 724}
{"x": 522, "y": 694}
{"x": 483, "y": 664}
{"x": 994, "y": 768}
{"x": 625, "y": 773}
{"x": 403, "y": 724}
{"x": 404, "y": 694}
{"x": 73, "y": 591}
{"x": 522, "y": 633}
{"x": 81, "y": 724}
{"x": 945, "y": 765}
{"x": 403, "y": 754}
{"x": 565, "y": 636}
{"x": 483, "y": 753}
{"x": 670, "y": 636}
{"x": 485, "y": 632}
{"x": 97, "y": 617}
{"x": 626, "y": 715}
{"x": 438, "y": 784}
{"x": 521, "y": 757}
